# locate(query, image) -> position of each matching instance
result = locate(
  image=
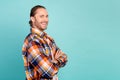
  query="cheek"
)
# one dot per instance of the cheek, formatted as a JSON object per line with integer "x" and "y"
{"x": 38, "y": 19}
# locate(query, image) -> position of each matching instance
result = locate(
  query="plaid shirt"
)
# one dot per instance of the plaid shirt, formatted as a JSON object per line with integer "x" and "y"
{"x": 38, "y": 51}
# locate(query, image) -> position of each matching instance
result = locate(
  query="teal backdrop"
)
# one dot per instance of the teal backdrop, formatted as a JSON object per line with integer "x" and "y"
{"x": 88, "y": 31}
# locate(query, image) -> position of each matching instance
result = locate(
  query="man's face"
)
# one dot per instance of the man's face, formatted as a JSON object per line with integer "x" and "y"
{"x": 40, "y": 19}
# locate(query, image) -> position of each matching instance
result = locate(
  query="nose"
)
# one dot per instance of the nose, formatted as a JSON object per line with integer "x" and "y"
{"x": 45, "y": 18}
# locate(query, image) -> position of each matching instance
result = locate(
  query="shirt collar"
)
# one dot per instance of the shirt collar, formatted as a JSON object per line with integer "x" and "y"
{"x": 38, "y": 32}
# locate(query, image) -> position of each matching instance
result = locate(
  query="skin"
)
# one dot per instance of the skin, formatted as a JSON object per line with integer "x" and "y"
{"x": 40, "y": 19}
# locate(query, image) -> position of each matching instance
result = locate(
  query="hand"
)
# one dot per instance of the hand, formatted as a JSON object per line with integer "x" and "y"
{"x": 58, "y": 54}
{"x": 54, "y": 61}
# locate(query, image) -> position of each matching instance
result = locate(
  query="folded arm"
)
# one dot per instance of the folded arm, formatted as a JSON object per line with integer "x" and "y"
{"x": 59, "y": 56}
{"x": 40, "y": 62}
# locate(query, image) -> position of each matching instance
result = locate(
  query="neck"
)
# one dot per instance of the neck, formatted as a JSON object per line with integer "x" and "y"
{"x": 37, "y": 28}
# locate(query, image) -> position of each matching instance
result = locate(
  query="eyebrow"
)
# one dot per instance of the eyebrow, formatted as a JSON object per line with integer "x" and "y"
{"x": 44, "y": 15}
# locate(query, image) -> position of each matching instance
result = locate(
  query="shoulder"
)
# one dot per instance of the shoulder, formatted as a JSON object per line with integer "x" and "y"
{"x": 31, "y": 38}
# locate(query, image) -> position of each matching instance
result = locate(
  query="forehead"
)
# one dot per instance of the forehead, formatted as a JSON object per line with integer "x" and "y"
{"x": 41, "y": 11}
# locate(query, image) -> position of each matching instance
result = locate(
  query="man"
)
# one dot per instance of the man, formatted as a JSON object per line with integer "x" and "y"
{"x": 42, "y": 58}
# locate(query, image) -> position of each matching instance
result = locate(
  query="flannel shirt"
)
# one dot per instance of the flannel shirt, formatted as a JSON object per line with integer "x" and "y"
{"x": 37, "y": 55}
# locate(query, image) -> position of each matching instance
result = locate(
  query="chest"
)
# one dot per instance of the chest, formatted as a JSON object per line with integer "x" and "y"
{"x": 46, "y": 46}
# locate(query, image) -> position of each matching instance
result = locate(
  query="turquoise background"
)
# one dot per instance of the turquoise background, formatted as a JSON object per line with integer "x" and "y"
{"x": 88, "y": 31}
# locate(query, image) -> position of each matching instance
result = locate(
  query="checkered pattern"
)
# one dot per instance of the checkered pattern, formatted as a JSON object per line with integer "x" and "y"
{"x": 37, "y": 53}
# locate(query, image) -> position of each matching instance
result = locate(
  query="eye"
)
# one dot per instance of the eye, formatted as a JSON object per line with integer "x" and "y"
{"x": 47, "y": 16}
{"x": 41, "y": 16}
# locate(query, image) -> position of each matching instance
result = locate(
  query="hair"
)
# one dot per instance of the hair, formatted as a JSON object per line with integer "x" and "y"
{"x": 33, "y": 12}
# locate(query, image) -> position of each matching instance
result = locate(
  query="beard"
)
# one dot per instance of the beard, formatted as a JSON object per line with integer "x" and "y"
{"x": 41, "y": 25}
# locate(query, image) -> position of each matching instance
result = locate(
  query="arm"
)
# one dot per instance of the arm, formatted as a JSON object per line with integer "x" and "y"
{"x": 59, "y": 56}
{"x": 40, "y": 61}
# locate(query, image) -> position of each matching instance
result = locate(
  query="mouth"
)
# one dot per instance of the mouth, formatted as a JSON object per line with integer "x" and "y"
{"x": 44, "y": 23}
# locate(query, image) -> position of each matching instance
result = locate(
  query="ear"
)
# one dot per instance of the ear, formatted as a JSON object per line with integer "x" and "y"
{"x": 32, "y": 19}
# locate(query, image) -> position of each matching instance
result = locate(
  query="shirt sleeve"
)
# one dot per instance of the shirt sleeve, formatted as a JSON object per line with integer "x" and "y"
{"x": 62, "y": 60}
{"x": 41, "y": 62}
